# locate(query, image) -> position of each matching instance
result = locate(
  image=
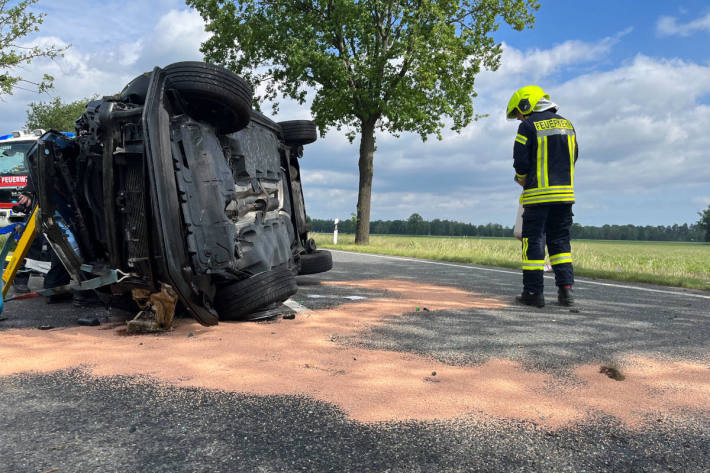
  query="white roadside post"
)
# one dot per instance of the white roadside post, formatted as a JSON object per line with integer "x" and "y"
{"x": 335, "y": 232}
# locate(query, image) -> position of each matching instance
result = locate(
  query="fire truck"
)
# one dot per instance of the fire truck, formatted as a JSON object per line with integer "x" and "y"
{"x": 13, "y": 173}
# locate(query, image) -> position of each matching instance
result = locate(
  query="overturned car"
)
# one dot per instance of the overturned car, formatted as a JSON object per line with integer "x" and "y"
{"x": 185, "y": 190}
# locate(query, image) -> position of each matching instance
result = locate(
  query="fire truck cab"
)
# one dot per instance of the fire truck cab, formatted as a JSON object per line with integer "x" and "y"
{"x": 13, "y": 173}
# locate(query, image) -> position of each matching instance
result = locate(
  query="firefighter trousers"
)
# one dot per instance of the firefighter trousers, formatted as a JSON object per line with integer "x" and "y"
{"x": 547, "y": 224}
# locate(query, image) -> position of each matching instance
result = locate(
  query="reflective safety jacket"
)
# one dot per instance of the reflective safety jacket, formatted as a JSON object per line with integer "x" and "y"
{"x": 544, "y": 155}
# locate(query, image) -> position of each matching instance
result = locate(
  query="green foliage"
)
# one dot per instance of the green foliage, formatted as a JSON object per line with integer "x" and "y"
{"x": 389, "y": 65}
{"x": 415, "y": 219}
{"x": 704, "y": 222}
{"x": 16, "y": 22}
{"x": 402, "y": 64}
{"x": 54, "y": 115}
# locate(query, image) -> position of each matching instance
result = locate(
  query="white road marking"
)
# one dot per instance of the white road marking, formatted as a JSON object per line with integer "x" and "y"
{"x": 478, "y": 268}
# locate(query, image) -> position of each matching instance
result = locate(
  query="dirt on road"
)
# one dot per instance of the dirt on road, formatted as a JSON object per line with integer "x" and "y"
{"x": 305, "y": 356}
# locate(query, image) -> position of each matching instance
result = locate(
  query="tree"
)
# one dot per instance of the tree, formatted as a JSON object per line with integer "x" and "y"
{"x": 388, "y": 65}
{"x": 704, "y": 222}
{"x": 55, "y": 115}
{"x": 16, "y": 22}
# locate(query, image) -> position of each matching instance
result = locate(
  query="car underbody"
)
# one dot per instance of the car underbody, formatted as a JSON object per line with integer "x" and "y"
{"x": 181, "y": 186}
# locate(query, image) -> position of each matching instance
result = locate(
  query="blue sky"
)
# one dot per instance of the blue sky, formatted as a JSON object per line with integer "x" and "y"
{"x": 634, "y": 78}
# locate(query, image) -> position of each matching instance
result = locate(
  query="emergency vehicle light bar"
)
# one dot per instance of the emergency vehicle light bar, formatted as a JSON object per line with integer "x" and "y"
{"x": 35, "y": 133}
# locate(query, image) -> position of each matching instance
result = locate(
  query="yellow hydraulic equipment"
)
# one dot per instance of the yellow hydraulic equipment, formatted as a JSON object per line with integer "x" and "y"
{"x": 23, "y": 246}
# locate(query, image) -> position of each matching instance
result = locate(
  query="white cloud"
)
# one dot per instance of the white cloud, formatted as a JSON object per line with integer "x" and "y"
{"x": 642, "y": 131}
{"x": 641, "y": 124}
{"x": 89, "y": 68}
{"x": 327, "y": 178}
{"x": 176, "y": 37}
{"x": 538, "y": 63}
{"x": 669, "y": 26}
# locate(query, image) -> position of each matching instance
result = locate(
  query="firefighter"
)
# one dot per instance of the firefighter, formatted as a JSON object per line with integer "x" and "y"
{"x": 544, "y": 156}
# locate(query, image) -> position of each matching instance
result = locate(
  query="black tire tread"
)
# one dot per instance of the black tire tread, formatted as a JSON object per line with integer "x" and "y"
{"x": 205, "y": 85}
{"x": 319, "y": 261}
{"x": 299, "y": 132}
{"x": 242, "y": 298}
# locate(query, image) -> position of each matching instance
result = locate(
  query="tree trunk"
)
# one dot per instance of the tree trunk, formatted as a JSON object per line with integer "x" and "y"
{"x": 367, "y": 153}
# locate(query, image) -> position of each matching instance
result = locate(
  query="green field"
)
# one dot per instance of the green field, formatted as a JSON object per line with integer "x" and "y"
{"x": 665, "y": 263}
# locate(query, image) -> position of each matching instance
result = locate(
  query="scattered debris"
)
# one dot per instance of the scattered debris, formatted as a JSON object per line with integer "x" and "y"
{"x": 3, "y": 318}
{"x": 416, "y": 309}
{"x": 612, "y": 372}
{"x": 190, "y": 335}
{"x": 433, "y": 373}
{"x": 270, "y": 313}
{"x": 574, "y": 311}
{"x": 19, "y": 297}
{"x": 46, "y": 327}
{"x": 354, "y": 298}
{"x": 431, "y": 380}
{"x": 289, "y": 316}
{"x": 295, "y": 306}
{"x": 425, "y": 309}
{"x": 157, "y": 310}
{"x": 111, "y": 326}
{"x": 90, "y": 321}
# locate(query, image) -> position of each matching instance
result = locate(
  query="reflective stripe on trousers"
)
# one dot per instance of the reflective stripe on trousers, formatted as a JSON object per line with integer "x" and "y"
{"x": 546, "y": 225}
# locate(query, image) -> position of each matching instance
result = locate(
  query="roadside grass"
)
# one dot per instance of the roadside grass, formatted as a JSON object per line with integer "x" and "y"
{"x": 664, "y": 263}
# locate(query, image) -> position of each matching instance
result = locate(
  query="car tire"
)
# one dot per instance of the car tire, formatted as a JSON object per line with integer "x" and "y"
{"x": 135, "y": 91}
{"x": 212, "y": 94}
{"x": 319, "y": 261}
{"x": 239, "y": 299}
{"x": 299, "y": 132}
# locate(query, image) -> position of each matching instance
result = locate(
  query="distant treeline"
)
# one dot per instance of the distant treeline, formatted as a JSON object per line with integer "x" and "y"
{"x": 416, "y": 225}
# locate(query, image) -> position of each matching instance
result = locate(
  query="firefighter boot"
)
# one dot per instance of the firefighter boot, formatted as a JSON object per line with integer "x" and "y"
{"x": 535, "y": 299}
{"x": 565, "y": 295}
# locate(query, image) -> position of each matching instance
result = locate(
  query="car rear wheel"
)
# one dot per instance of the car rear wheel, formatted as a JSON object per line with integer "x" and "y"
{"x": 319, "y": 261}
{"x": 212, "y": 94}
{"x": 239, "y": 299}
{"x": 299, "y": 132}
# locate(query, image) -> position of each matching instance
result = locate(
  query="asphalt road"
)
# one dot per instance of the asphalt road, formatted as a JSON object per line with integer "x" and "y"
{"x": 73, "y": 421}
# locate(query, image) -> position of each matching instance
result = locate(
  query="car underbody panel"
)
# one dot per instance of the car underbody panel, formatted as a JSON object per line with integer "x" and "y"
{"x": 184, "y": 200}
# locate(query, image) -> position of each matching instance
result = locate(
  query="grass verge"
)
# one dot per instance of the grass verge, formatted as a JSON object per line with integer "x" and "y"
{"x": 664, "y": 263}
